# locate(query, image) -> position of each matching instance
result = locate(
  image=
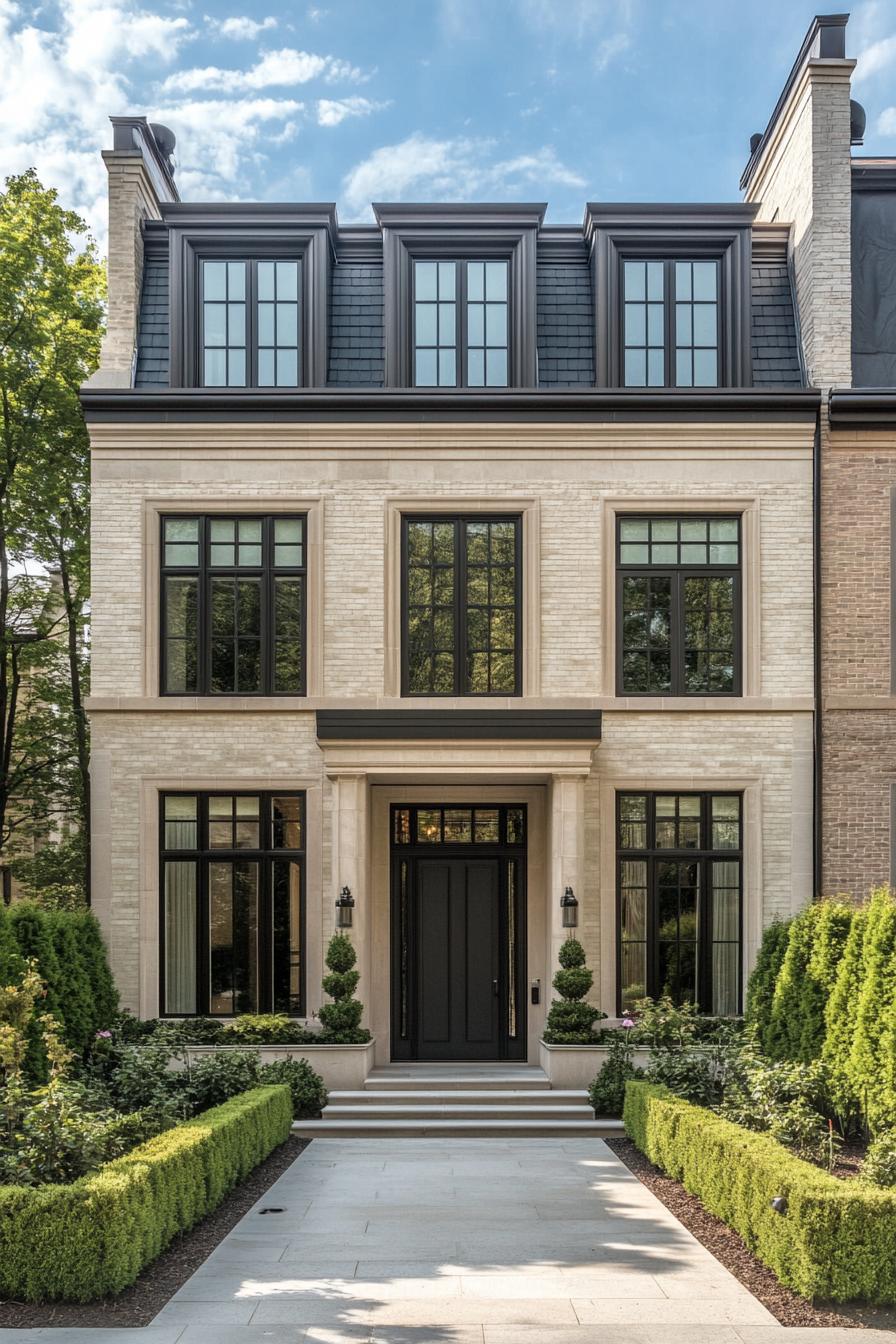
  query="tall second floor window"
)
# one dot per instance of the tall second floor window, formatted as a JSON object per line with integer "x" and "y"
{"x": 460, "y": 324}
{"x": 251, "y": 323}
{"x": 678, "y": 626}
{"x": 233, "y": 605}
{"x": 462, "y": 599}
{"x": 670, "y": 323}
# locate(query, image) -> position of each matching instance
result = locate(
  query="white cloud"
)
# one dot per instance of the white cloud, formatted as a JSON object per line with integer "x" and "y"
{"x": 215, "y": 136}
{"x": 241, "y": 28}
{"x": 886, "y": 122}
{"x": 610, "y": 48}
{"x": 60, "y": 85}
{"x": 457, "y": 169}
{"x": 333, "y": 111}
{"x": 875, "y": 58}
{"x": 274, "y": 69}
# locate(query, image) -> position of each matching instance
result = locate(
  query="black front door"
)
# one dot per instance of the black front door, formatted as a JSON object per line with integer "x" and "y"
{"x": 458, "y": 934}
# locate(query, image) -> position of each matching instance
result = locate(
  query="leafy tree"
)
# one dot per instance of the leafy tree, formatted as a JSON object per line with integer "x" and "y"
{"x": 570, "y": 1021}
{"x": 761, "y": 987}
{"x": 51, "y": 311}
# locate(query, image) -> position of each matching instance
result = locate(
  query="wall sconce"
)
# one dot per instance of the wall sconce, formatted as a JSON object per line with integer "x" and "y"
{"x": 345, "y": 904}
{"x": 569, "y": 907}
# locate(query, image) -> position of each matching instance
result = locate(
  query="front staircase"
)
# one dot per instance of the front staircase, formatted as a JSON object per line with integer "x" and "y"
{"x": 459, "y": 1101}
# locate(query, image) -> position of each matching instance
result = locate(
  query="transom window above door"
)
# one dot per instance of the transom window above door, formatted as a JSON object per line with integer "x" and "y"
{"x": 250, "y": 332}
{"x": 461, "y": 605}
{"x": 670, "y": 317}
{"x": 678, "y": 605}
{"x": 233, "y": 609}
{"x": 461, "y": 324}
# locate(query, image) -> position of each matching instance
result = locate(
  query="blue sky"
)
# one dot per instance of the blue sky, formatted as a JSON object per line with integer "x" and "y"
{"x": 353, "y": 100}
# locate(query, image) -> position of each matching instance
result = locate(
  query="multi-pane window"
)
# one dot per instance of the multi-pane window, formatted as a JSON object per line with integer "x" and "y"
{"x": 679, "y": 898}
{"x": 678, "y": 605}
{"x": 233, "y": 903}
{"x": 670, "y": 323}
{"x": 460, "y": 324}
{"x": 461, "y": 580}
{"x": 233, "y": 605}
{"x": 250, "y": 334}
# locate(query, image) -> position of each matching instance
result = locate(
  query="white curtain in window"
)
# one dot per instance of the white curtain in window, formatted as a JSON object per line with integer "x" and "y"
{"x": 180, "y": 937}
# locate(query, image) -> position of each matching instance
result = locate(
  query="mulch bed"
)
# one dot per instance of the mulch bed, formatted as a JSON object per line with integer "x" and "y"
{"x": 138, "y": 1304}
{"x": 728, "y": 1248}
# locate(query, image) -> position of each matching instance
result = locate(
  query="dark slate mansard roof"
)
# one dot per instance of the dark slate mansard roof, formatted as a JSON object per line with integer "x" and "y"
{"x": 565, "y": 308}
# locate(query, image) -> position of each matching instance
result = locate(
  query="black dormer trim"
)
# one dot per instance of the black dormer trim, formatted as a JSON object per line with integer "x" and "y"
{"x": 454, "y": 725}
{"x": 681, "y": 231}
{"x": 460, "y": 231}
{"x": 249, "y": 230}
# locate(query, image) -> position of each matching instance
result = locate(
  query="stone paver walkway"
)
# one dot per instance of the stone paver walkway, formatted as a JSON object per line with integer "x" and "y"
{"x": 464, "y": 1241}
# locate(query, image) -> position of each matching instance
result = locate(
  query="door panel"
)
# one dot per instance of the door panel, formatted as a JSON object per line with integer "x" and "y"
{"x": 456, "y": 917}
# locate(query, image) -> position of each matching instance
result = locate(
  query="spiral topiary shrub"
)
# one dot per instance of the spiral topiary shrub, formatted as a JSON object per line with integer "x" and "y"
{"x": 342, "y": 1018}
{"x": 570, "y": 1020}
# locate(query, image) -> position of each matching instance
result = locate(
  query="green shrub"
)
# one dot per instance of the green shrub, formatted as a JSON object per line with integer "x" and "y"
{"x": 879, "y": 1166}
{"x": 665, "y": 1025}
{"x": 570, "y": 1020}
{"x": 12, "y": 964}
{"x": 836, "y": 1240}
{"x": 842, "y": 1009}
{"x": 93, "y": 951}
{"x": 782, "y": 1039}
{"x": 868, "y": 1072}
{"x": 831, "y": 932}
{"x": 309, "y": 1095}
{"x": 267, "y": 1029}
{"x": 607, "y": 1092}
{"x": 90, "y": 1239}
{"x": 216, "y": 1078}
{"x": 761, "y": 986}
{"x": 175, "y": 1031}
{"x": 341, "y": 1019}
{"x": 74, "y": 988}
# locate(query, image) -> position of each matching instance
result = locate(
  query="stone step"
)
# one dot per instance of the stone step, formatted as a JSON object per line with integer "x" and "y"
{"x": 432, "y": 1110}
{"x": 464, "y": 1078}
{"x": 459, "y": 1129}
{"x": 446, "y": 1096}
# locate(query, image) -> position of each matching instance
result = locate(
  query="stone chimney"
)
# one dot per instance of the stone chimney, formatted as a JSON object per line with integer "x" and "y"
{"x": 141, "y": 180}
{"x": 799, "y": 174}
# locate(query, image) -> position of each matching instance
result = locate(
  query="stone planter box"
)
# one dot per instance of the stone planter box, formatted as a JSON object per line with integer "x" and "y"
{"x": 576, "y": 1066}
{"x": 342, "y": 1067}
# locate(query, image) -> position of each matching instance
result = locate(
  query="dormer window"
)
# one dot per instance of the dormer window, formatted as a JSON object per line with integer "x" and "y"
{"x": 670, "y": 323}
{"x": 460, "y": 323}
{"x": 250, "y": 323}
{"x": 672, "y": 287}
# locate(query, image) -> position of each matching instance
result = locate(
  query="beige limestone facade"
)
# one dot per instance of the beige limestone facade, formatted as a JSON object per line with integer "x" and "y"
{"x": 354, "y": 480}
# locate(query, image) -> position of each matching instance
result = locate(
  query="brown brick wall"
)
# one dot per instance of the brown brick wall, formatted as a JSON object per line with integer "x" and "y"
{"x": 859, "y": 726}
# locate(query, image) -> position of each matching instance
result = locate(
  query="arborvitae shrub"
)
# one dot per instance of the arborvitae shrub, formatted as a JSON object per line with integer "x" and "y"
{"x": 74, "y": 989}
{"x": 342, "y": 1018}
{"x": 783, "y": 1039}
{"x": 12, "y": 965}
{"x": 93, "y": 951}
{"x": 570, "y": 1021}
{"x": 831, "y": 932}
{"x": 761, "y": 987}
{"x": 877, "y": 1001}
{"x": 842, "y": 1009}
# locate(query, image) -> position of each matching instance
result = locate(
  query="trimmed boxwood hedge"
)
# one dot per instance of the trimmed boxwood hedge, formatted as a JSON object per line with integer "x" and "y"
{"x": 837, "y": 1239}
{"x": 92, "y": 1238}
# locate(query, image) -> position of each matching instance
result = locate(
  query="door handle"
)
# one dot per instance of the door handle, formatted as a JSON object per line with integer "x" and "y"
{"x": 495, "y": 988}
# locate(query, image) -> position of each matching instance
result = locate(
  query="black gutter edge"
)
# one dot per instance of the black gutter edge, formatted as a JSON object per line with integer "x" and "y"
{"x": 521, "y": 725}
{"x": 862, "y": 408}
{"x": 817, "y": 725}
{"x": 423, "y": 404}
{"x": 826, "y": 41}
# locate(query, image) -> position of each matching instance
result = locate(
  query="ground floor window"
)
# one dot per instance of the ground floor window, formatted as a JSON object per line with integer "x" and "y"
{"x": 679, "y": 890}
{"x": 232, "y": 903}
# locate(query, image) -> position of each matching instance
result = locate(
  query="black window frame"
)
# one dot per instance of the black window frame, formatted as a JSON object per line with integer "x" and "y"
{"x": 459, "y": 521}
{"x": 703, "y": 856}
{"x": 670, "y": 300}
{"x": 265, "y": 856}
{"x": 678, "y": 573}
{"x": 461, "y": 343}
{"x": 267, "y": 573}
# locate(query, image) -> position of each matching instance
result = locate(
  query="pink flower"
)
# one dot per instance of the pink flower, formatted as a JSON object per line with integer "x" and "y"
{"x": 627, "y": 1022}
{"x": 104, "y": 1035}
